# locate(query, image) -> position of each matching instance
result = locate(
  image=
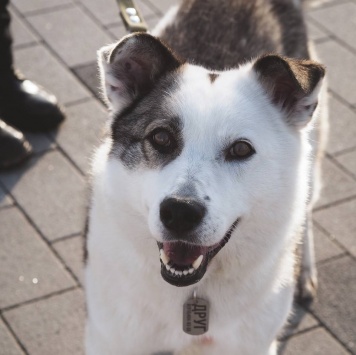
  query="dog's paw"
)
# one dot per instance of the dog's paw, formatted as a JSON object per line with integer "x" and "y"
{"x": 307, "y": 287}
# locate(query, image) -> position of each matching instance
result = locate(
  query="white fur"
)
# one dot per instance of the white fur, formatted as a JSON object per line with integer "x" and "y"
{"x": 249, "y": 284}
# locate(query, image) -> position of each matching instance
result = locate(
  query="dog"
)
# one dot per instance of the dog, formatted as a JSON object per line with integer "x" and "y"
{"x": 203, "y": 186}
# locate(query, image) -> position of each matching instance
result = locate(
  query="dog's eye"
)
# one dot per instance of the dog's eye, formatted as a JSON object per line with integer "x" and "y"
{"x": 162, "y": 141}
{"x": 240, "y": 150}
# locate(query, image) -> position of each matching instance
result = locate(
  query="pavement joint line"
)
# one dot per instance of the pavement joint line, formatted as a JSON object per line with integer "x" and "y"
{"x": 92, "y": 16}
{"x": 46, "y": 241}
{"x": 71, "y": 161}
{"x": 14, "y": 335}
{"x": 332, "y": 258}
{"x": 340, "y": 166}
{"x": 82, "y": 65}
{"x": 331, "y": 333}
{"x": 336, "y": 241}
{"x": 18, "y": 47}
{"x": 323, "y": 40}
{"x": 67, "y": 268}
{"x": 333, "y": 35}
{"x": 334, "y": 203}
{"x": 344, "y": 151}
{"x": 339, "y": 98}
{"x": 47, "y": 10}
{"x": 300, "y": 332}
{"x": 92, "y": 93}
{"x": 47, "y": 46}
{"x": 80, "y": 101}
{"x": 115, "y": 24}
{"x": 63, "y": 239}
{"x": 39, "y": 299}
{"x": 327, "y": 5}
{"x": 6, "y": 207}
{"x": 154, "y": 8}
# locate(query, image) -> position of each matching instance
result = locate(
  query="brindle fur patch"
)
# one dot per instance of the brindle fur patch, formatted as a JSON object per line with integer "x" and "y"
{"x": 213, "y": 77}
{"x": 221, "y": 35}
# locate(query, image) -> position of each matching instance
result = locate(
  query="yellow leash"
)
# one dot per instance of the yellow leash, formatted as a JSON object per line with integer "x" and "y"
{"x": 131, "y": 16}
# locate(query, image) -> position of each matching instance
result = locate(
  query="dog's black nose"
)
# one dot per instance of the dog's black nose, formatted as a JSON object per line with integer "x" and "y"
{"x": 181, "y": 215}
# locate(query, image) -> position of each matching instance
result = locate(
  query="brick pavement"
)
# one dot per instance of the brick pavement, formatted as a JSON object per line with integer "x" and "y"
{"x": 42, "y": 205}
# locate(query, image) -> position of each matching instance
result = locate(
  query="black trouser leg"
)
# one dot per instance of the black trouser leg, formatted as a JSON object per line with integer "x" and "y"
{"x": 5, "y": 39}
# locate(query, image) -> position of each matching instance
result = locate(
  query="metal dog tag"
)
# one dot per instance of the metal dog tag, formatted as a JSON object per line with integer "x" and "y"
{"x": 196, "y": 316}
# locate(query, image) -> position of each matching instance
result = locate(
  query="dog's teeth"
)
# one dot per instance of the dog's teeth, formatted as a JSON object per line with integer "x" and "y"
{"x": 172, "y": 270}
{"x": 185, "y": 272}
{"x": 164, "y": 257}
{"x": 177, "y": 272}
{"x": 191, "y": 270}
{"x": 168, "y": 267}
{"x": 197, "y": 262}
{"x": 180, "y": 273}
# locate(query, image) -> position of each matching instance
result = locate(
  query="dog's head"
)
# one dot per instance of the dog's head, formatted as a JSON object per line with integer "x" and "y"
{"x": 207, "y": 152}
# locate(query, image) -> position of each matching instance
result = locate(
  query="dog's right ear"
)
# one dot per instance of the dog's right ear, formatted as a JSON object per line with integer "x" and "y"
{"x": 130, "y": 68}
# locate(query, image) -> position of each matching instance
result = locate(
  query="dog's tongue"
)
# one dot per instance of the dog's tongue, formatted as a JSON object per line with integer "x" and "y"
{"x": 182, "y": 253}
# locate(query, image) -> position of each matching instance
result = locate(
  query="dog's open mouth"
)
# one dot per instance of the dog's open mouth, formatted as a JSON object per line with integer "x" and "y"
{"x": 184, "y": 264}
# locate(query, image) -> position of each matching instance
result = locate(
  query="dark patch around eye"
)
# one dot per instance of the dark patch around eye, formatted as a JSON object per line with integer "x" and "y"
{"x": 129, "y": 128}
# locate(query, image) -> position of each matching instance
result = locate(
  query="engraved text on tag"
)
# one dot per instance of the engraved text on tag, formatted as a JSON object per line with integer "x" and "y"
{"x": 196, "y": 316}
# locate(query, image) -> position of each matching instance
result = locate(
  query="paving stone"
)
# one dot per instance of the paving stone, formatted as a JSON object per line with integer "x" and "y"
{"x": 5, "y": 199}
{"x": 52, "y": 192}
{"x": 117, "y": 31}
{"x": 107, "y": 11}
{"x": 52, "y": 326}
{"x": 335, "y": 305}
{"x": 88, "y": 118}
{"x": 7, "y": 342}
{"x": 316, "y": 4}
{"x": 88, "y": 74}
{"x": 315, "y": 33}
{"x": 314, "y": 342}
{"x": 76, "y": 42}
{"x": 300, "y": 320}
{"x": 152, "y": 22}
{"x": 348, "y": 160}
{"x": 340, "y": 222}
{"x": 337, "y": 185}
{"x": 325, "y": 248}
{"x": 333, "y": 19}
{"x": 147, "y": 8}
{"x": 40, "y": 142}
{"x": 342, "y": 131}
{"x": 21, "y": 34}
{"x": 71, "y": 251}
{"x": 23, "y": 255}
{"x": 38, "y": 64}
{"x": 35, "y": 5}
{"x": 164, "y": 5}
{"x": 340, "y": 66}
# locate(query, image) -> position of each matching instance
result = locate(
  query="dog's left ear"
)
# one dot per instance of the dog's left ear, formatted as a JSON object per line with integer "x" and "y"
{"x": 293, "y": 85}
{"x": 131, "y": 67}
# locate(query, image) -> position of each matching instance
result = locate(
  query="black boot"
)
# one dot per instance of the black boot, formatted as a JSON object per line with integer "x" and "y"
{"x": 27, "y": 106}
{"x": 23, "y": 104}
{"x": 14, "y": 148}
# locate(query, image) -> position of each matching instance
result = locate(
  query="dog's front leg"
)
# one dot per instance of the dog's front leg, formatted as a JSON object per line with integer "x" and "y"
{"x": 308, "y": 274}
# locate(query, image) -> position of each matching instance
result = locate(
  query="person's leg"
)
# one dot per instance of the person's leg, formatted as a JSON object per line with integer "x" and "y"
{"x": 5, "y": 39}
{"x": 23, "y": 104}
{"x": 14, "y": 148}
